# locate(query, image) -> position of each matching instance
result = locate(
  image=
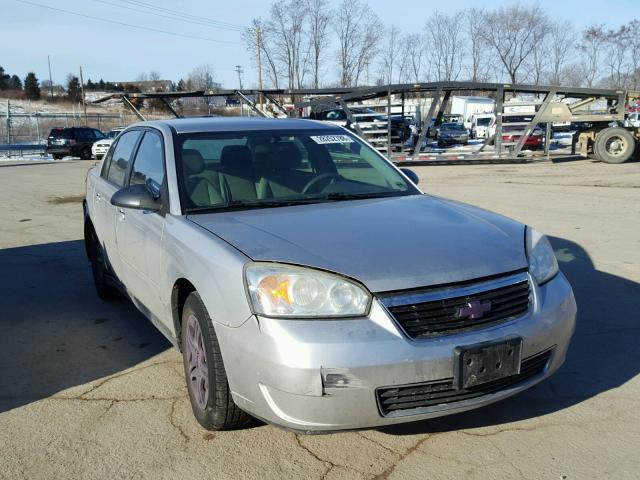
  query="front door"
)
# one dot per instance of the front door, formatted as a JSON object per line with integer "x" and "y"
{"x": 139, "y": 233}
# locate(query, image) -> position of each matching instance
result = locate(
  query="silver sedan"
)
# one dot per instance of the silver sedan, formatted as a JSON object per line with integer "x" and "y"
{"x": 308, "y": 282}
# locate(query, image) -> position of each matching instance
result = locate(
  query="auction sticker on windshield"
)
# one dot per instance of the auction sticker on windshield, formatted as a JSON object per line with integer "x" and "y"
{"x": 323, "y": 139}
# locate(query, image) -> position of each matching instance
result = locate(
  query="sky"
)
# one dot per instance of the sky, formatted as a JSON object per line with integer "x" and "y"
{"x": 118, "y": 52}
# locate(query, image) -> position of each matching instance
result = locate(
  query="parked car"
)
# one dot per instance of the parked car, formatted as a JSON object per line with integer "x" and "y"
{"x": 310, "y": 283}
{"x": 100, "y": 148}
{"x": 72, "y": 141}
{"x": 632, "y": 120}
{"x": 511, "y": 134}
{"x": 452, "y": 134}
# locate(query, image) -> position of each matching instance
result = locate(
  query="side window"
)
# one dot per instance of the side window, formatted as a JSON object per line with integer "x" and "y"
{"x": 121, "y": 156}
{"x": 107, "y": 161}
{"x": 148, "y": 167}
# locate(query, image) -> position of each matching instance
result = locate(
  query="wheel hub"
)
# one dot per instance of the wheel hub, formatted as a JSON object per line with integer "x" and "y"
{"x": 198, "y": 374}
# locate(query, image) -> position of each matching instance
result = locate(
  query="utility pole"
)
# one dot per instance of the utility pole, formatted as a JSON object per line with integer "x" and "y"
{"x": 84, "y": 103}
{"x": 50, "y": 80}
{"x": 258, "y": 40}
{"x": 239, "y": 71}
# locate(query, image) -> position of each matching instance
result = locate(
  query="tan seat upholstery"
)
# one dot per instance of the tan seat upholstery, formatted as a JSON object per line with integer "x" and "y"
{"x": 279, "y": 174}
{"x": 203, "y": 188}
{"x": 236, "y": 173}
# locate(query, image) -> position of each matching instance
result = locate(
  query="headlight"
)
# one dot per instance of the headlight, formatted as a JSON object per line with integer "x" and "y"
{"x": 542, "y": 261}
{"x": 277, "y": 290}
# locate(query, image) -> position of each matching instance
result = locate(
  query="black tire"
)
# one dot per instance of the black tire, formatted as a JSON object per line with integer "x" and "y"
{"x": 219, "y": 412}
{"x": 86, "y": 154}
{"x": 57, "y": 156}
{"x": 105, "y": 290}
{"x": 614, "y": 145}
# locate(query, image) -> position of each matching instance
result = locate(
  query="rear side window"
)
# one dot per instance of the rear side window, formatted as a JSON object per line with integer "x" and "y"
{"x": 60, "y": 133}
{"x": 119, "y": 163}
{"x": 148, "y": 167}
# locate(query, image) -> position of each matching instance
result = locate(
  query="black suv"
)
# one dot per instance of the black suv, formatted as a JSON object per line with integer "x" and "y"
{"x": 74, "y": 141}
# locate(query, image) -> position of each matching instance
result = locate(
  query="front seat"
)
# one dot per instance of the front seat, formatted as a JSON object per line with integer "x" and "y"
{"x": 280, "y": 175}
{"x": 236, "y": 173}
{"x": 200, "y": 190}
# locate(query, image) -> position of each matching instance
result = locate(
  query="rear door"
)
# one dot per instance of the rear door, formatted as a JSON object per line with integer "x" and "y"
{"x": 112, "y": 178}
{"x": 139, "y": 233}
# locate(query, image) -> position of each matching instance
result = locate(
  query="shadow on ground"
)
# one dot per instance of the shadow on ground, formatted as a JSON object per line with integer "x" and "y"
{"x": 56, "y": 333}
{"x": 604, "y": 352}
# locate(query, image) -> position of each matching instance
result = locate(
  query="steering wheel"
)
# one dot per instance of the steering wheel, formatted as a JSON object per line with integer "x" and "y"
{"x": 331, "y": 176}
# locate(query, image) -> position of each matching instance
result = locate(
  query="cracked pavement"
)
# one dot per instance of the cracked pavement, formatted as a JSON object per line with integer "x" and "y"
{"x": 91, "y": 390}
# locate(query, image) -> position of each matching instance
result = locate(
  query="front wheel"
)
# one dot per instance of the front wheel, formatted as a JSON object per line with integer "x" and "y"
{"x": 204, "y": 370}
{"x": 614, "y": 145}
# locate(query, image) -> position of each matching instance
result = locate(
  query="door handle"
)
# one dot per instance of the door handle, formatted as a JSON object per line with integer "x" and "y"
{"x": 98, "y": 196}
{"x": 121, "y": 213}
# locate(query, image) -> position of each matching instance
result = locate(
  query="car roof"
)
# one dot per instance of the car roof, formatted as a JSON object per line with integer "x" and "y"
{"x": 231, "y": 124}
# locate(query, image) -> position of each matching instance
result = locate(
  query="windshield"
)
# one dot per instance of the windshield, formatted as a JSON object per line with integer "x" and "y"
{"x": 483, "y": 122}
{"x": 280, "y": 167}
{"x": 113, "y": 133}
{"x": 452, "y": 126}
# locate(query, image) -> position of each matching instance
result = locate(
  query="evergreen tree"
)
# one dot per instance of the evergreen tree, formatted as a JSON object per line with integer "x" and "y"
{"x": 73, "y": 88}
{"x": 90, "y": 85}
{"x": 31, "y": 86}
{"x": 4, "y": 79}
{"x": 181, "y": 86}
{"x": 15, "y": 83}
{"x": 101, "y": 84}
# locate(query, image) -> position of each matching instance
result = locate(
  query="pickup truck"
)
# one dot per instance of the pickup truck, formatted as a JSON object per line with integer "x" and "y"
{"x": 308, "y": 281}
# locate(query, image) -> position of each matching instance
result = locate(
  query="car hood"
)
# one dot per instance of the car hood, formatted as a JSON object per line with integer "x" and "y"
{"x": 386, "y": 243}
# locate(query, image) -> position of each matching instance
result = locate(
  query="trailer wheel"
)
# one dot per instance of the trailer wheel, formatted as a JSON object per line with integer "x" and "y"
{"x": 614, "y": 145}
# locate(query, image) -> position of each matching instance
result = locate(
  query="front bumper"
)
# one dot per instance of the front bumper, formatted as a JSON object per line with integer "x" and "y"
{"x": 99, "y": 152}
{"x": 323, "y": 375}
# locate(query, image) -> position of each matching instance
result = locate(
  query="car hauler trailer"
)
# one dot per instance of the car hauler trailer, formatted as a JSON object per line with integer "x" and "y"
{"x": 599, "y": 114}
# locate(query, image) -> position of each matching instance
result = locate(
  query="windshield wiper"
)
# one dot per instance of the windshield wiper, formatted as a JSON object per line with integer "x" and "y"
{"x": 247, "y": 204}
{"x": 337, "y": 196}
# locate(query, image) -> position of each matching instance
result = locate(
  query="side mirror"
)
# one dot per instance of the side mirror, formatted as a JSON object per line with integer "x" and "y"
{"x": 413, "y": 176}
{"x": 137, "y": 197}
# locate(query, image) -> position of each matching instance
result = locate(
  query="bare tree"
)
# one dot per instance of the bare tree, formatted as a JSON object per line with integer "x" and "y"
{"x": 201, "y": 78}
{"x": 154, "y": 76}
{"x": 414, "y": 56}
{"x": 512, "y": 34}
{"x": 539, "y": 59}
{"x": 318, "y": 18}
{"x": 562, "y": 40}
{"x": 286, "y": 22}
{"x": 358, "y": 30}
{"x": 444, "y": 34}
{"x": 250, "y": 36}
{"x": 479, "y": 65}
{"x": 617, "y": 58}
{"x": 593, "y": 38}
{"x": 390, "y": 53}
{"x": 634, "y": 47}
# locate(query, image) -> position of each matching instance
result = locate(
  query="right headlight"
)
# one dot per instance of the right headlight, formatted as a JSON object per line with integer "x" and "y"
{"x": 288, "y": 291}
{"x": 543, "y": 264}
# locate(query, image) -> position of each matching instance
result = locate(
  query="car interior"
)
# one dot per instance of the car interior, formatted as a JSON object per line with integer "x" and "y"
{"x": 219, "y": 171}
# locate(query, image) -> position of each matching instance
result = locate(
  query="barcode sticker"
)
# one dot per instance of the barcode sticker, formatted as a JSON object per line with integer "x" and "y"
{"x": 323, "y": 139}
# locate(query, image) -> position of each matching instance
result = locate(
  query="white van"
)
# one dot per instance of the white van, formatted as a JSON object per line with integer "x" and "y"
{"x": 480, "y": 124}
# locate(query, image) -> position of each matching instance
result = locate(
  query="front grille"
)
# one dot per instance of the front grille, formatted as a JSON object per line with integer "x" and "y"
{"x": 443, "y": 316}
{"x": 441, "y": 392}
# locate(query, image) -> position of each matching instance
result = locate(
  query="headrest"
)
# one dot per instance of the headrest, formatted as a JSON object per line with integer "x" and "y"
{"x": 278, "y": 156}
{"x": 235, "y": 157}
{"x": 192, "y": 161}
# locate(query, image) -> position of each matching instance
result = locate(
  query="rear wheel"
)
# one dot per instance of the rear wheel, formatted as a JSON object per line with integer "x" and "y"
{"x": 57, "y": 156}
{"x": 614, "y": 145}
{"x": 206, "y": 377}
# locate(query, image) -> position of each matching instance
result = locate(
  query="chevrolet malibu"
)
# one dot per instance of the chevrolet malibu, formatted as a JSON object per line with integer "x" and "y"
{"x": 308, "y": 282}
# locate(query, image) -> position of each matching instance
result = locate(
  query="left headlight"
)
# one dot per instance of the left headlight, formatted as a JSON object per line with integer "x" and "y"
{"x": 287, "y": 291}
{"x": 543, "y": 264}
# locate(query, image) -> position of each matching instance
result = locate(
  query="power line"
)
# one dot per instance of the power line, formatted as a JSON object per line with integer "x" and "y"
{"x": 182, "y": 14}
{"x": 149, "y": 29}
{"x": 174, "y": 17}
